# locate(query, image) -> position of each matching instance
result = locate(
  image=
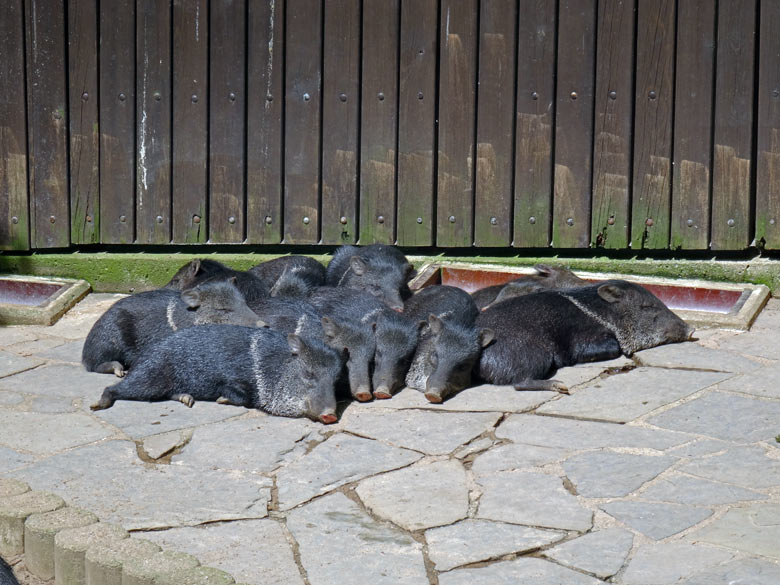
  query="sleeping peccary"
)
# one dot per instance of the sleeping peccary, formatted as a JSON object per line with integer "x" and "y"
{"x": 545, "y": 278}
{"x": 135, "y": 322}
{"x": 537, "y": 334}
{"x": 450, "y": 341}
{"x": 199, "y": 270}
{"x": 293, "y": 276}
{"x": 256, "y": 368}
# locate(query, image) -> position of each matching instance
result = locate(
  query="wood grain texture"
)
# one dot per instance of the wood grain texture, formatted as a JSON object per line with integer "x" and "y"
{"x": 495, "y": 128}
{"x": 14, "y": 217}
{"x": 691, "y": 182}
{"x": 731, "y": 167}
{"x": 303, "y": 58}
{"x": 47, "y": 124}
{"x": 265, "y": 118}
{"x": 653, "y": 108}
{"x": 457, "y": 110}
{"x": 190, "y": 121}
{"x": 417, "y": 122}
{"x": 612, "y": 131}
{"x": 536, "y": 48}
{"x": 574, "y": 123}
{"x": 340, "y": 121}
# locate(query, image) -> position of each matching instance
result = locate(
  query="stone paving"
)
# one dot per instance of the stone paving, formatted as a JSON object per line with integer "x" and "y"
{"x": 663, "y": 469}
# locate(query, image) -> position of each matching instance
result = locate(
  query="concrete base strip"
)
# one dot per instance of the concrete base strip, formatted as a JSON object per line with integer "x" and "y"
{"x": 14, "y": 511}
{"x": 39, "y": 533}
{"x": 70, "y": 549}
{"x": 148, "y": 570}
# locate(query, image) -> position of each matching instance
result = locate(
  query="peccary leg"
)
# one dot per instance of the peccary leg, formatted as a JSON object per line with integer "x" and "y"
{"x": 185, "y": 399}
{"x": 235, "y": 396}
{"x": 111, "y": 368}
{"x": 546, "y": 385}
{"x": 107, "y": 400}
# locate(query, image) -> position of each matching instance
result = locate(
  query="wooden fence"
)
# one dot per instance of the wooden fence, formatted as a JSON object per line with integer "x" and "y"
{"x": 649, "y": 124}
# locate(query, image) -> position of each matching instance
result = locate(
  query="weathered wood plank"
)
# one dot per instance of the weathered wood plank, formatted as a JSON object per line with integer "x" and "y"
{"x": 117, "y": 122}
{"x": 495, "y": 130}
{"x": 153, "y": 136}
{"x": 190, "y": 120}
{"x": 47, "y": 124}
{"x": 768, "y": 146}
{"x": 83, "y": 119}
{"x": 731, "y": 179}
{"x": 265, "y": 110}
{"x": 534, "y": 123}
{"x": 612, "y": 131}
{"x": 340, "y": 121}
{"x": 379, "y": 121}
{"x": 574, "y": 123}
{"x": 416, "y": 122}
{"x": 691, "y": 179}
{"x": 303, "y": 59}
{"x": 457, "y": 110}
{"x": 227, "y": 122}
{"x": 653, "y": 108}
{"x": 14, "y": 217}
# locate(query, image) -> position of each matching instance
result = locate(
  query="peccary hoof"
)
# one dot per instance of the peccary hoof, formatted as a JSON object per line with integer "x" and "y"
{"x": 435, "y": 398}
{"x": 223, "y": 400}
{"x": 363, "y": 396}
{"x": 185, "y": 399}
{"x": 328, "y": 419}
{"x": 106, "y": 401}
{"x": 381, "y": 395}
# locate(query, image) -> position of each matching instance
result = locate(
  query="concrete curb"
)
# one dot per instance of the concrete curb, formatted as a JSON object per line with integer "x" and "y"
{"x": 73, "y": 547}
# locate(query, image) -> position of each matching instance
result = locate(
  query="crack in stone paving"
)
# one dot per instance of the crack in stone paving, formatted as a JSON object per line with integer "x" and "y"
{"x": 296, "y": 549}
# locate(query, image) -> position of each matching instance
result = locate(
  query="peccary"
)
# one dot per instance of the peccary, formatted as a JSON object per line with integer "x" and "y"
{"x": 201, "y": 270}
{"x": 395, "y": 333}
{"x": 255, "y": 368}
{"x": 7, "y": 576}
{"x": 355, "y": 339}
{"x": 450, "y": 343}
{"x": 378, "y": 269}
{"x": 294, "y": 276}
{"x": 545, "y": 278}
{"x": 135, "y": 322}
{"x": 537, "y": 334}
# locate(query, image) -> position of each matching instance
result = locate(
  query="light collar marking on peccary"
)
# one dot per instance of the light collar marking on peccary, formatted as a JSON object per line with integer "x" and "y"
{"x": 601, "y": 321}
{"x": 254, "y": 352}
{"x": 369, "y": 316}
{"x": 169, "y": 314}
{"x": 300, "y": 324}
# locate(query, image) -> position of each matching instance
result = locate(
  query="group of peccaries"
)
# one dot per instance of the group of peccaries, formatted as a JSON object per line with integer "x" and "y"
{"x": 289, "y": 334}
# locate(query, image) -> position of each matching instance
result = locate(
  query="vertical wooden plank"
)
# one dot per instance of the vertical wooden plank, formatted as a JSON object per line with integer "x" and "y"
{"x": 612, "y": 124}
{"x": 14, "y": 218}
{"x": 190, "y": 120}
{"x": 534, "y": 123}
{"x": 457, "y": 109}
{"x": 340, "y": 121}
{"x": 303, "y": 59}
{"x": 416, "y": 122}
{"x": 574, "y": 123}
{"x": 265, "y": 111}
{"x": 227, "y": 120}
{"x": 495, "y": 114}
{"x": 117, "y": 122}
{"x": 153, "y": 137}
{"x": 731, "y": 180}
{"x": 47, "y": 124}
{"x": 768, "y": 144}
{"x": 651, "y": 205}
{"x": 83, "y": 118}
{"x": 379, "y": 121}
{"x": 691, "y": 179}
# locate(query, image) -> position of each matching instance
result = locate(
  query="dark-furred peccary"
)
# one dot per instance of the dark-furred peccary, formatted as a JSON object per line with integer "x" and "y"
{"x": 116, "y": 340}
{"x": 545, "y": 278}
{"x": 539, "y": 333}
{"x": 353, "y": 338}
{"x": 7, "y": 576}
{"x": 199, "y": 270}
{"x": 395, "y": 334}
{"x": 450, "y": 342}
{"x": 284, "y": 375}
{"x": 379, "y": 269}
{"x": 293, "y": 276}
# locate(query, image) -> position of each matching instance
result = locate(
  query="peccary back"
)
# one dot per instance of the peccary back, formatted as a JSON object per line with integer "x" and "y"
{"x": 293, "y": 276}
{"x": 200, "y": 270}
{"x": 449, "y": 343}
{"x": 116, "y": 340}
{"x": 378, "y": 269}
{"x": 255, "y": 368}
{"x": 7, "y": 576}
{"x": 545, "y": 278}
{"x": 539, "y": 333}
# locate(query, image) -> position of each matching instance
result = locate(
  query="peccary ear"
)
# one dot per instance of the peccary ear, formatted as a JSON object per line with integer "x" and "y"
{"x": 358, "y": 265}
{"x": 435, "y": 324}
{"x": 296, "y": 344}
{"x": 544, "y": 269}
{"x": 328, "y": 327}
{"x": 195, "y": 267}
{"x": 611, "y": 293}
{"x": 191, "y": 298}
{"x": 486, "y": 336}
{"x": 409, "y": 272}
{"x": 233, "y": 280}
